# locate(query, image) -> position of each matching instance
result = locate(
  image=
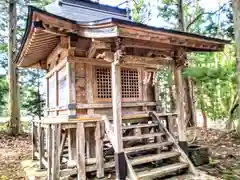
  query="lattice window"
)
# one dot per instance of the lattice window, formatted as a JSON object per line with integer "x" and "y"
{"x": 103, "y": 77}
{"x": 129, "y": 80}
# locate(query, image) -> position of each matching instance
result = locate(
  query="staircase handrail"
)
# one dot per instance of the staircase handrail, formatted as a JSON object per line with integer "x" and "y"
{"x": 183, "y": 157}
{"x": 110, "y": 133}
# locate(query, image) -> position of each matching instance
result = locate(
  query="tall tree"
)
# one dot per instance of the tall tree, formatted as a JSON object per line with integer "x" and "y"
{"x": 14, "y": 110}
{"x": 236, "y": 17}
{"x": 188, "y": 95}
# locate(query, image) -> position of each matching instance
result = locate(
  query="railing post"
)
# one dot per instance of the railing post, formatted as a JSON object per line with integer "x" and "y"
{"x": 40, "y": 145}
{"x": 49, "y": 151}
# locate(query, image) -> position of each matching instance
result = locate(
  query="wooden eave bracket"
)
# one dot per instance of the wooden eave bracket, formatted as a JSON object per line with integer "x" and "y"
{"x": 97, "y": 45}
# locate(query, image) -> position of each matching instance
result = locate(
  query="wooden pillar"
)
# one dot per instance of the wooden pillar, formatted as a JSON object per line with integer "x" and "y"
{"x": 99, "y": 151}
{"x": 180, "y": 107}
{"x": 56, "y": 90}
{"x": 120, "y": 161}
{"x": 71, "y": 91}
{"x": 56, "y": 134}
{"x": 90, "y": 132}
{"x": 47, "y": 96}
{"x": 81, "y": 161}
{"x": 49, "y": 151}
{"x": 71, "y": 99}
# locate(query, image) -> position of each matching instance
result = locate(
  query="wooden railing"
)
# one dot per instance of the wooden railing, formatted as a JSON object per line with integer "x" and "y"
{"x": 48, "y": 140}
{"x": 169, "y": 136}
{"x": 111, "y": 136}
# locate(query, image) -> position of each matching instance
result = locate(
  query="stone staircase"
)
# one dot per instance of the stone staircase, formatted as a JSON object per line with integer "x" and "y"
{"x": 151, "y": 152}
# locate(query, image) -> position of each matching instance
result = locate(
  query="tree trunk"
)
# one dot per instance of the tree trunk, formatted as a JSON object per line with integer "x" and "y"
{"x": 190, "y": 116}
{"x": 202, "y": 106}
{"x": 236, "y": 19}
{"x": 14, "y": 122}
{"x": 233, "y": 107}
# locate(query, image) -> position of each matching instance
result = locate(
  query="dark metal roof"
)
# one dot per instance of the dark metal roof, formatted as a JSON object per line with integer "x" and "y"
{"x": 83, "y": 10}
{"x": 95, "y": 5}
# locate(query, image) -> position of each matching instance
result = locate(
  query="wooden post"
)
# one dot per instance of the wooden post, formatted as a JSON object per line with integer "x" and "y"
{"x": 40, "y": 145}
{"x": 56, "y": 90}
{"x": 90, "y": 132}
{"x": 81, "y": 165}
{"x": 180, "y": 108}
{"x": 63, "y": 140}
{"x": 47, "y": 95}
{"x": 121, "y": 166}
{"x": 71, "y": 145}
{"x": 71, "y": 91}
{"x": 34, "y": 142}
{"x": 14, "y": 109}
{"x": 49, "y": 151}
{"x": 56, "y": 133}
{"x": 99, "y": 151}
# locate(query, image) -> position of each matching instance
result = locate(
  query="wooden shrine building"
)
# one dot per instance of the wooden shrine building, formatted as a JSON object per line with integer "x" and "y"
{"x": 103, "y": 114}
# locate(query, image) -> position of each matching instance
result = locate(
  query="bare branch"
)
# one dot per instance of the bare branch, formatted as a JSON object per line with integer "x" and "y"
{"x": 204, "y": 13}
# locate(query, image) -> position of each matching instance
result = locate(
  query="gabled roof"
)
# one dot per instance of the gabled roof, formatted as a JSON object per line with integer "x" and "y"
{"x": 39, "y": 39}
{"x": 85, "y": 10}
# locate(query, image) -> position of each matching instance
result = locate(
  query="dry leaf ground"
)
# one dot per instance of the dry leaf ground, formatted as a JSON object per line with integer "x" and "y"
{"x": 12, "y": 151}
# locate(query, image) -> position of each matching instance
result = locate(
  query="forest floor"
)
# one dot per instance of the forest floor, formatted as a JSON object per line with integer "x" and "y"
{"x": 224, "y": 151}
{"x": 13, "y": 150}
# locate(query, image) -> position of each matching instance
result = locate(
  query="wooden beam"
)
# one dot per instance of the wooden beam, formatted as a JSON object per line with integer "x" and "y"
{"x": 138, "y": 60}
{"x": 56, "y": 68}
{"x": 128, "y": 59}
{"x": 166, "y": 38}
{"x": 54, "y": 54}
{"x": 109, "y": 105}
{"x": 104, "y": 32}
